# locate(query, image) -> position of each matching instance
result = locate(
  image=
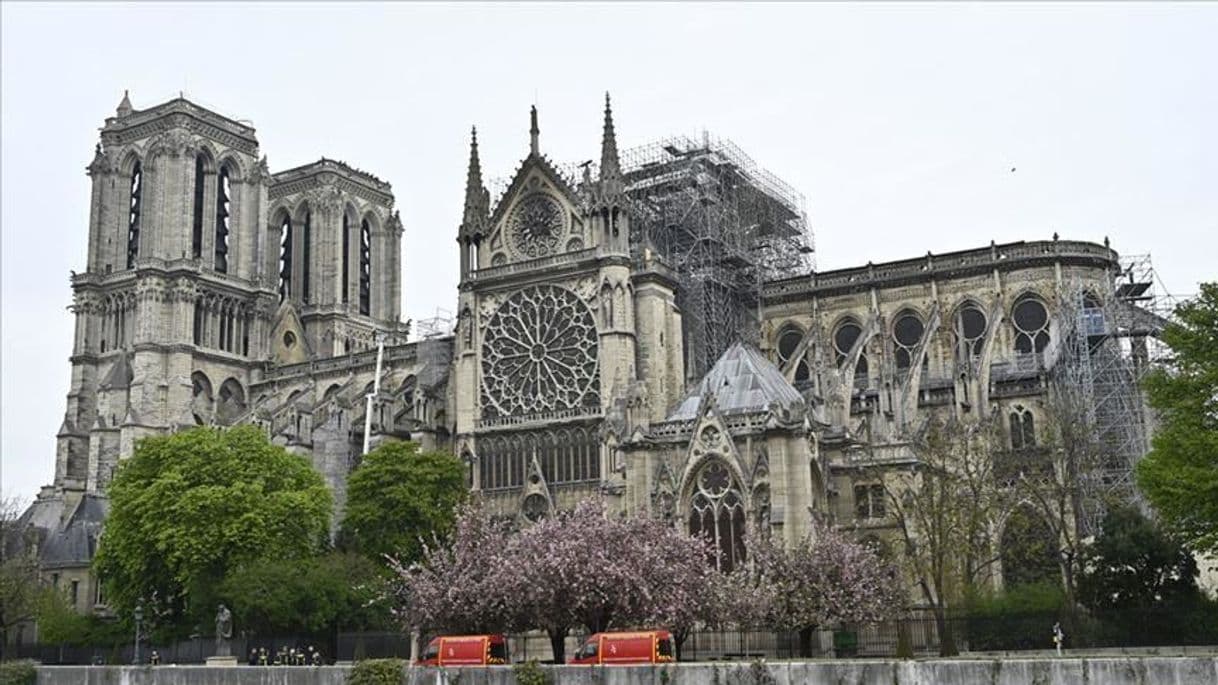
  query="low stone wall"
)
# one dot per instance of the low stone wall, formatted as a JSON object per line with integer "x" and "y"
{"x": 1186, "y": 670}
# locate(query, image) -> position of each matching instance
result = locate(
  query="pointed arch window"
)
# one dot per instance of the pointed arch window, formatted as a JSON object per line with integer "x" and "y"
{"x": 365, "y": 268}
{"x": 133, "y": 214}
{"x": 717, "y": 513}
{"x": 285, "y": 259}
{"x": 971, "y": 325}
{"x": 346, "y": 258}
{"x": 788, "y": 343}
{"x": 196, "y": 229}
{"x": 223, "y": 209}
{"x": 1023, "y": 430}
{"x": 306, "y": 245}
{"x": 906, "y": 334}
{"x": 1031, "y": 321}
{"x": 844, "y": 339}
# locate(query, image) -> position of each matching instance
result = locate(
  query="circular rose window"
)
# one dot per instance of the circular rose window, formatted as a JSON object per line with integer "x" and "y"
{"x": 536, "y": 226}
{"x": 539, "y": 354}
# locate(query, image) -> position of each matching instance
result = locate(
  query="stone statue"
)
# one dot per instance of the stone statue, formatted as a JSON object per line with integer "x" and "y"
{"x": 224, "y": 631}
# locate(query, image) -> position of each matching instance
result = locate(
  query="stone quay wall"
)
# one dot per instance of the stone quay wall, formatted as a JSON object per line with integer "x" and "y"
{"x": 1181, "y": 670}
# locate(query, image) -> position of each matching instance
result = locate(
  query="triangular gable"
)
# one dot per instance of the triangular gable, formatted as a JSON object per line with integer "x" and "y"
{"x": 288, "y": 342}
{"x": 537, "y": 175}
{"x": 710, "y": 440}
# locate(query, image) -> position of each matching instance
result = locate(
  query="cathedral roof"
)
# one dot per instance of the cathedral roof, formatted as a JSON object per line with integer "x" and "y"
{"x": 76, "y": 541}
{"x": 741, "y": 382}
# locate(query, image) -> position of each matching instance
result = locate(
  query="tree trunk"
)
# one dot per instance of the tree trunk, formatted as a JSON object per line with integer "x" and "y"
{"x": 558, "y": 644}
{"x": 947, "y": 639}
{"x": 678, "y": 639}
{"x": 805, "y": 641}
{"x": 904, "y": 643}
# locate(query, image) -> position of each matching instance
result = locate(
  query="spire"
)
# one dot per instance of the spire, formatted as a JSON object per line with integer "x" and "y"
{"x": 124, "y": 107}
{"x": 534, "y": 149}
{"x": 475, "y": 193}
{"x": 611, "y": 168}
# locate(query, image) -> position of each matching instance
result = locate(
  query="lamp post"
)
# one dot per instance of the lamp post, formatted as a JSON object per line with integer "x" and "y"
{"x": 139, "y": 616}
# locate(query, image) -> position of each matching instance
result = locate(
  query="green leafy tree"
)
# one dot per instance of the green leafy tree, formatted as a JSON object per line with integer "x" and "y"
{"x": 400, "y": 497}
{"x": 317, "y": 596}
{"x": 1180, "y": 475}
{"x": 1134, "y": 565}
{"x": 187, "y": 509}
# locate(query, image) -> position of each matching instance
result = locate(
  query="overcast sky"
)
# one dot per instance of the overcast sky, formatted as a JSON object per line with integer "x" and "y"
{"x": 900, "y": 124}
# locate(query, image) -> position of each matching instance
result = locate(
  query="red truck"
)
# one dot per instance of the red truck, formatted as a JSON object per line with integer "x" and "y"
{"x": 465, "y": 650}
{"x": 643, "y": 647}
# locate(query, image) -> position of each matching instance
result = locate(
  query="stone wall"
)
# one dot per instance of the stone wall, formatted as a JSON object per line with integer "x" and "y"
{"x": 1015, "y": 671}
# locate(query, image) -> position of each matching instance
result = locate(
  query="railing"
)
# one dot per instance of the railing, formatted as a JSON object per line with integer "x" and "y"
{"x": 539, "y": 417}
{"x": 535, "y": 264}
{"x": 935, "y": 265}
{"x": 1132, "y": 628}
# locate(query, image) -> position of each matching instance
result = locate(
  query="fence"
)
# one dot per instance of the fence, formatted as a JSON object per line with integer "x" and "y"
{"x": 1008, "y": 632}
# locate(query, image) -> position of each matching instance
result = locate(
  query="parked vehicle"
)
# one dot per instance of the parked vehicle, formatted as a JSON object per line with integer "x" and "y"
{"x": 465, "y": 650}
{"x": 644, "y": 647}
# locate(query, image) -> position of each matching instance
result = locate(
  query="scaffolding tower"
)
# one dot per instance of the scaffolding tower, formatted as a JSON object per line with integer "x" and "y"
{"x": 1108, "y": 341}
{"x": 724, "y": 225}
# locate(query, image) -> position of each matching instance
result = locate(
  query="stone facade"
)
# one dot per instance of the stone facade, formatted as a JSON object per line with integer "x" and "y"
{"x": 217, "y": 292}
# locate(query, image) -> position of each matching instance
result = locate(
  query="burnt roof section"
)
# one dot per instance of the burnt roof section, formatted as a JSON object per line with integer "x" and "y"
{"x": 326, "y": 172}
{"x": 742, "y": 381}
{"x": 1006, "y": 257}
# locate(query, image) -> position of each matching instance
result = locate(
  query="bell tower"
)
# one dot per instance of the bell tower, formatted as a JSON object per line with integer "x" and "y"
{"x": 172, "y": 307}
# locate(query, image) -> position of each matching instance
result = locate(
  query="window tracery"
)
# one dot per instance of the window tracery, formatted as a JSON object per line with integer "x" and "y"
{"x": 717, "y": 513}
{"x": 1023, "y": 429}
{"x": 1031, "y": 321}
{"x": 789, "y": 339}
{"x": 906, "y": 334}
{"x": 844, "y": 339}
{"x": 971, "y": 324}
{"x": 536, "y": 226}
{"x": 565, "y": 455}
{"x": 539, "y": 354}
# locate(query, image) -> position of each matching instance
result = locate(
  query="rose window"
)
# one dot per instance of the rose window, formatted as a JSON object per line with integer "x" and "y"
{"x": 539, "y": 354}
{"x": 536, "y": 226}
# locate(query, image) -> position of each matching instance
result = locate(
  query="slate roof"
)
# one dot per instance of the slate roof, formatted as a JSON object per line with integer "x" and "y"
{"x": 62, "y": 542}
{"x": 743, "y": 381}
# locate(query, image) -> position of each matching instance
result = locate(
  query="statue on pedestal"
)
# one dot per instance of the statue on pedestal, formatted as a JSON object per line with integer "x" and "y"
{"x": 224, "y": 631}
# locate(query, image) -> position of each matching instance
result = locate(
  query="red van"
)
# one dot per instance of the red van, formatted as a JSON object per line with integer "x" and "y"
{"x": 465, "y": 650}
{"x": 644, "y": 647}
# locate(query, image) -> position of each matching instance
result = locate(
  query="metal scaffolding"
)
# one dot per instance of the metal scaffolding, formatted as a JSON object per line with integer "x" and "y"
{"x": 725, "y": 225}
{"x": 1108, "y": 341}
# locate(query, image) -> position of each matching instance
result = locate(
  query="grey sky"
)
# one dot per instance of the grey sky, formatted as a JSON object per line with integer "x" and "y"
{"x": 899, "y": 123}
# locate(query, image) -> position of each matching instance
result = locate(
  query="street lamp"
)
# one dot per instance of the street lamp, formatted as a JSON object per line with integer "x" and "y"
{"x": 139, "y": 616}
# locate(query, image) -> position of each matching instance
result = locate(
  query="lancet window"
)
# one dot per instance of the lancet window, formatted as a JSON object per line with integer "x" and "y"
{"x": 196, "y": 228}
{"x": 133, "y": 214}
{"x": 223, "y": 210}
{"x": 565, "y": 455}
{"x": 365, "y": 268}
